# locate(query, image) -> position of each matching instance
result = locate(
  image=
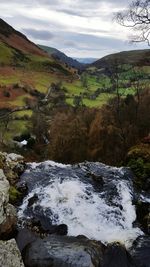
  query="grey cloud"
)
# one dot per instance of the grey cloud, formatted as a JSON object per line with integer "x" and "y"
{"x": 86, "y": 42}
{"x": 86, "y": 8}
{"x": 56, "y": 34}
{"x": 39, "y": 34}
{"x": 70, "y": 12}
{"x": 20, "y": 19}
{"x": 33, "y": 2}
{"x": 70, "y": 44}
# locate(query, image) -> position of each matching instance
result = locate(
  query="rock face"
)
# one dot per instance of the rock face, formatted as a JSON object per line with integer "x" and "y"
{"x": 8, "y": 215}
{"x": 4, "y": 195}
{"x": 65, "y": 251}
{"x": 8, "y": 226}
{"x": 9, "y": 254}
{"x": 13, "y": 166}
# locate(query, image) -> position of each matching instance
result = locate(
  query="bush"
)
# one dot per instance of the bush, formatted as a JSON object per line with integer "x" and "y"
{"x": 138, "y": 159}
{"x": 137, "y": 165}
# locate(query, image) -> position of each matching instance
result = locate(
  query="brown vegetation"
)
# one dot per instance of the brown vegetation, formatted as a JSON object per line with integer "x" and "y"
{"x": 78, "y": 134}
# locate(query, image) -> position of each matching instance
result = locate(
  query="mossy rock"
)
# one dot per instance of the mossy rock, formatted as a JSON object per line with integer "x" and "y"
{"x": 14, "y": 195}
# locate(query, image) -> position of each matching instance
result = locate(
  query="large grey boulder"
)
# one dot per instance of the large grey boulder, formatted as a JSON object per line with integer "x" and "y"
{"x": 8, "y": 216}
{"x": 9, "y": 254}
{"x": 4, "y": 196}
{"x": 63, "y": 251}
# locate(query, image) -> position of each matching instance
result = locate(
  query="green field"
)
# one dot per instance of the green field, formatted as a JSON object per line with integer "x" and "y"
{"x": 94, "y": 93}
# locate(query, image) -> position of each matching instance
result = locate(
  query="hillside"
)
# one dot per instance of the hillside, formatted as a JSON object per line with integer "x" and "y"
{"x": 17, "y": 41}
{"x": 26, "y": 73}
{"x": 22, "y": 62}
{"x": 18, "y": 51}
{"x": 62, "y": 57}
{"x": 134, "y": 57}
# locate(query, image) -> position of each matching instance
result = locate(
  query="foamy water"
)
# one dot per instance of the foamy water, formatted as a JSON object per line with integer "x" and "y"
{"x": 83, "y": 209}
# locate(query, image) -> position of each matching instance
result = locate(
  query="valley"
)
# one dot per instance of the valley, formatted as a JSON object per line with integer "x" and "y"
{"x": 74, "y": 133}
{"x": 41, "y": 82}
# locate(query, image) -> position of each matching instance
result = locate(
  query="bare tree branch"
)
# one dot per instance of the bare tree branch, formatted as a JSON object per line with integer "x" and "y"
{"x": 137, "y": 16}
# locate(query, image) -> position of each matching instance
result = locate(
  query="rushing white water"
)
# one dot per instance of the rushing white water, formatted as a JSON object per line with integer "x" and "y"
{"x": 83, "y": 209}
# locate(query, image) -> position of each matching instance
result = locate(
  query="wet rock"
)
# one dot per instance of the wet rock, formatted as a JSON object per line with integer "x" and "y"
{"x": 38, "y": 218}
{"x": 37, "y": 227}
{"x": 66, "y": 251}
{"x": 24, "y": 237}
{"x": 141, "y": 251}
{"x": 32, "y": 200}
{"x": 9, "y": 254}
{"x": 22, "y": 188}
{"x": 117, "y": 256}
{"x": 61, "y": 229}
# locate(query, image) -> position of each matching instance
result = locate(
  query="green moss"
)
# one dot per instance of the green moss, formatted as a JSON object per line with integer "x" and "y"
{"x": 14, "y": 195}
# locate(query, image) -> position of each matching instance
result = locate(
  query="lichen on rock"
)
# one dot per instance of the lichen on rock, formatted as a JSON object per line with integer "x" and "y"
{"x": 13, "y": 166}
{"x": 9, "y": 254}
{"x": 4, "y": 196}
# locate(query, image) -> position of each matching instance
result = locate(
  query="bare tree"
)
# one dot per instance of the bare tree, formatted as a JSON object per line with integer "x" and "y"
{"x": 137, "y": 17}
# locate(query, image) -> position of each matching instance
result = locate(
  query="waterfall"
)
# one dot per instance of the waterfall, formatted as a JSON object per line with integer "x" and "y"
{"x": 92, "y": 199}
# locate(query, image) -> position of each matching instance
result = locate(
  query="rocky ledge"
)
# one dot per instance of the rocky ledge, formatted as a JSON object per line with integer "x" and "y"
{"x": 11, "y": 166}
{"x": 10, "y": 255}
{"x": 19, "y": 248}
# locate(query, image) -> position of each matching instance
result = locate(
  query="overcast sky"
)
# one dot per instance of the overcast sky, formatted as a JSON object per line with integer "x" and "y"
{"x": 80, "y": 28}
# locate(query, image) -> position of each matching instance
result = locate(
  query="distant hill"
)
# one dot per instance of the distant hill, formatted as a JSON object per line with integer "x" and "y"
{"x": 62, "y": 57}
{"x": 27, "y": 67}
{"x": 86, "y": 60}
{"x": 134, "y": 57}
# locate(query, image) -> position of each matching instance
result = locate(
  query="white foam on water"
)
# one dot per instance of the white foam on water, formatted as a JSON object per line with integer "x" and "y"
{"x": 47, "y": 164}
{"x": 86, "y": 212}
{"x": 145, "y": 198}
